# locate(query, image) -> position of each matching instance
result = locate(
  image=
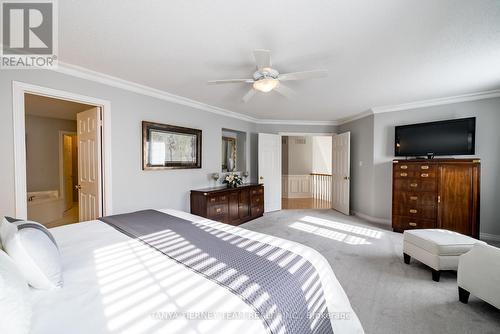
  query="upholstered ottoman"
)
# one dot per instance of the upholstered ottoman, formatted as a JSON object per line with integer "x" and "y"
{"x": 436, "y": 248}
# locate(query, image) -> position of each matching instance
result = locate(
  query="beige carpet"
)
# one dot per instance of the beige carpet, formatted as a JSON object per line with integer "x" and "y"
{"x": 387, "y": 295}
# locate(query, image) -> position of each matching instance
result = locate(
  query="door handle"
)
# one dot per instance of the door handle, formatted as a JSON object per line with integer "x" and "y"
{"x": 78, "y": 187}
{"x": 346, "y": 178}
{"x": 261, "y": 178}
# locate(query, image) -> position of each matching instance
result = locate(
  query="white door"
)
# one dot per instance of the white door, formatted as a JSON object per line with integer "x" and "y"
{"x": 89, "y": 162}
{"x": 270, "y": 170}
{"x": 341, "y": 176}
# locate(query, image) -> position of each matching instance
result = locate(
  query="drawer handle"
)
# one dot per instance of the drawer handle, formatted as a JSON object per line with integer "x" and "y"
{"x": 424, "y": 167}
{"x": 257, "y": 200}
{"x": 413, "y": 211}
{"x": 413, "y": 185}
{"x": 218, "y": 210}
{"x": 212, "y": 200}
{"x": 412, "y": 224}
{"x": 424, "y": 175}
{"x": 223, "y": 198}
{"x": 413, "y": 198}
{"x": 404, "y": 167}
{"x": 404, "y": 174}
{"x": 254, "y": 192}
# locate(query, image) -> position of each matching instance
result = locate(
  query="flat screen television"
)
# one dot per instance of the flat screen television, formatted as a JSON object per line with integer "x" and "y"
{"x": 452, "y": 137}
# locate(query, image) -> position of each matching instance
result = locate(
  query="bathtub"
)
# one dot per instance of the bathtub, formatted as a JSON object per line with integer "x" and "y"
{"x": 45, "y": 206}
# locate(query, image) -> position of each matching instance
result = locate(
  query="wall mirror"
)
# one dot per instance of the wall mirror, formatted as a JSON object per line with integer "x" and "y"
{"x": 229, "y": 154}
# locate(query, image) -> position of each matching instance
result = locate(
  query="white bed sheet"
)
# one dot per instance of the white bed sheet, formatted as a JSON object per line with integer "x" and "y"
{"x": 114, "y": 284}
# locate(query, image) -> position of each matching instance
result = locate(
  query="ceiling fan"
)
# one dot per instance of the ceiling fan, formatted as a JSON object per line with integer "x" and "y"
{"x": 266, "y": 78}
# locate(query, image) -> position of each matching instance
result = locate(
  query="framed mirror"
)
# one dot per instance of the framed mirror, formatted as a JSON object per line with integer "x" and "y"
{"x": 228, "y": 154}
{"x": 170, "y": 147}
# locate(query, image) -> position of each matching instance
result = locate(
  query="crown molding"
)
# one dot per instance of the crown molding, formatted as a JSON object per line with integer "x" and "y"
{"x": 355, "y": 117}
{"x": 84, "y": 73}
{"x": 87, "y": 74}
{"x": 439, "y": 101}
{"x": 294, "y": 122}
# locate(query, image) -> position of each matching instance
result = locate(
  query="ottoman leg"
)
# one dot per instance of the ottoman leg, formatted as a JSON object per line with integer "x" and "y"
{"x": 436, "y": 274}
{"x": 406, "y": 258}
{"x": 463, "y": 295}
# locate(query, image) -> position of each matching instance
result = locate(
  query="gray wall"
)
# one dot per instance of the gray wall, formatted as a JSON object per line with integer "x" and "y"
{"x": 132, "y": 187}
{"x": 375, "y": 199}
{"x": 42, "y": 151}
{"x": 361, "y": 164}
{"x": 300, "y": 156}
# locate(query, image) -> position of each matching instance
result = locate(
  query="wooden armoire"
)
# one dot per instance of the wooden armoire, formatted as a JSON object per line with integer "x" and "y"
{"x": 436, "y": 193}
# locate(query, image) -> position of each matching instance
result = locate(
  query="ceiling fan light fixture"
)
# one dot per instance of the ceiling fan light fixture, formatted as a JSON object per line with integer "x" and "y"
{"x": 265, "y": 85}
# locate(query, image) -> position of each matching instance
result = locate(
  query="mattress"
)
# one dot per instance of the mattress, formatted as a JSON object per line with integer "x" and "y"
{"x": 117, "y": 284}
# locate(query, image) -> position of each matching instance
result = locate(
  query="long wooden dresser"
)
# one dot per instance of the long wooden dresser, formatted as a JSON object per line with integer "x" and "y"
{"x": 437, "y": 193}
{"x": 229, "y": 205}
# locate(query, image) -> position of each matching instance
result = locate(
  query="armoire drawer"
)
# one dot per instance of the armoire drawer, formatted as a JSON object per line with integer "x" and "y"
{"x": 416, "y": 198}
{"x": 407, "y": 223}
{"x": 416, "y": 211}
{"x": 415, "y": 185}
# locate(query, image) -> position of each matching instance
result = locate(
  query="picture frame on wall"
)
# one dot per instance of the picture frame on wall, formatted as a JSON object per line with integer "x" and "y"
{"x": 167, "y": 146}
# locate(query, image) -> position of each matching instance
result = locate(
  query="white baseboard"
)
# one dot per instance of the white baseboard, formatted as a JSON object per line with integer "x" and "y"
{"x": 372, "y": 219}
{"x": 489, "y": 237}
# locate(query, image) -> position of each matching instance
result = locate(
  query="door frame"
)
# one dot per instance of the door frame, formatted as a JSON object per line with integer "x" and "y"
{"x": 62, "y": 133}
{"x": 19, "y": 89}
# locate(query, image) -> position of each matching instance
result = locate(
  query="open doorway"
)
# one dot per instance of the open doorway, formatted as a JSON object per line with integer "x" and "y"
{"x": 306, "y": 172}
{"x": 57, "y": 159}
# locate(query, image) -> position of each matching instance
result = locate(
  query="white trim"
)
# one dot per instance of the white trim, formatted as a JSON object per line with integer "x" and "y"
{"x": 18, "y": 91}
{"x": 87, "y": 74}
{"x": 489, "y": 237}
{"x": 437, "y": 102}
{"x": 61, "y": 162}
{"x": 371, "y": 219}
{"x": 306, "y": 134}
{"x": 84, "y": 73}
{"x": 293, "y": 122}
{"x": 355, "y": 117}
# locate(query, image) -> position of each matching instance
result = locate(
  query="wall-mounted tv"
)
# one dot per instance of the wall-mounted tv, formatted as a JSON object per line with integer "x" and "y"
{"x": 451, "y": 137}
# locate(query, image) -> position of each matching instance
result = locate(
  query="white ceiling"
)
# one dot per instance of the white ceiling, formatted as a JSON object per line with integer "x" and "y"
{"x": 378, "y": 53}
{"x": 42, "y": 106}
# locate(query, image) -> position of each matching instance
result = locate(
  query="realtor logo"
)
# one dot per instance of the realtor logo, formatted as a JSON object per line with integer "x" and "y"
{"x": 28, "y": 34}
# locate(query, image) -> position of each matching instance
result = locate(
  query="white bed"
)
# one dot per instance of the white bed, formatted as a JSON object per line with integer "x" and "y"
{"x": 115, "y": 284}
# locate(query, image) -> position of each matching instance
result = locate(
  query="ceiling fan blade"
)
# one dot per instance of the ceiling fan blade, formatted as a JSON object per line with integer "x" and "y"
{"x": 248, "y": 95}
{"x": 285, "y": 91}
{"x": 218, "y": 82}
{"x": 262, "y": 58}
{"x": 303, "y": 75}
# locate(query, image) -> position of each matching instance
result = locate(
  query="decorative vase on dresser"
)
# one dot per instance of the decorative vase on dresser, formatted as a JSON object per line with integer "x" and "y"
{"x": 437, "y": 193}
{"x": 232, "y": 206}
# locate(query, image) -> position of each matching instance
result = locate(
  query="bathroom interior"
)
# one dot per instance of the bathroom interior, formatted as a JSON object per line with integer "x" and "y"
{"x": 52, "y": 159}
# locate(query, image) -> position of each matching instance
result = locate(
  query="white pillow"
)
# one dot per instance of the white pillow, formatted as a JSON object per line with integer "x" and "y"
{"x": 15, "y": 306}
{"x": 33, "y": 249}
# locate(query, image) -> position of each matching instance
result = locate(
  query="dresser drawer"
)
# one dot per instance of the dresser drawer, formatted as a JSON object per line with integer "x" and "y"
{"x": 415, "y": 185}
{"x": 416, "y": 211}
{"x": 217, "y": 210}
{"x": 415, "y": 198}
{"x": 257, "y": 191}
{"x": 257, "y": 200}
{"x": 407, "y": 223}
{"x": 217, "y": 199}
{"x": 257, "y": 211}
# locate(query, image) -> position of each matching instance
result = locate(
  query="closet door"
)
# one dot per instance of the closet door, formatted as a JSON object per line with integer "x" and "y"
{"x": 457, "y": 199}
